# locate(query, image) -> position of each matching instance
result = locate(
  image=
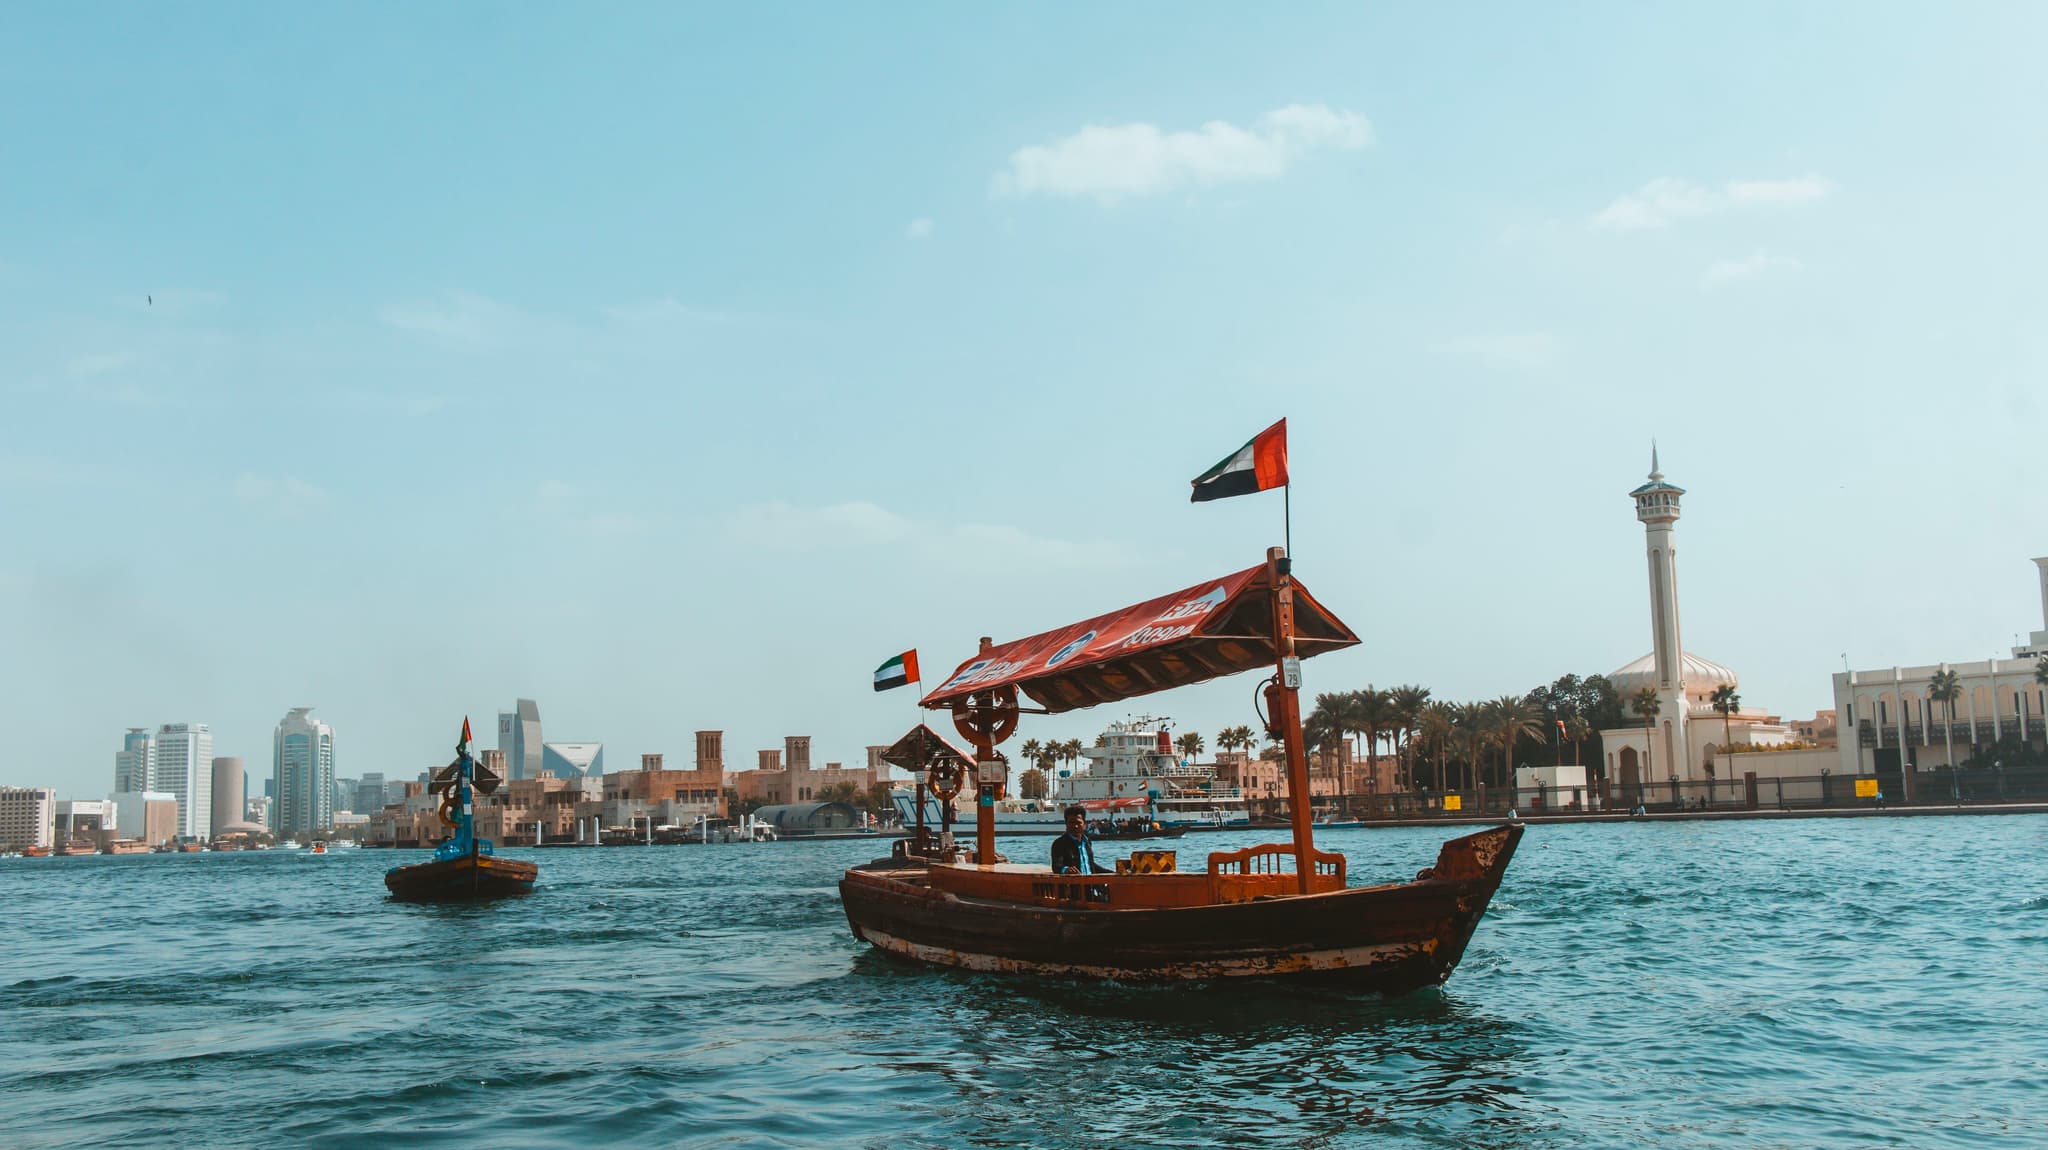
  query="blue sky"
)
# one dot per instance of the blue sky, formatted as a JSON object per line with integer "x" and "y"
{"x": 674, "y": 367}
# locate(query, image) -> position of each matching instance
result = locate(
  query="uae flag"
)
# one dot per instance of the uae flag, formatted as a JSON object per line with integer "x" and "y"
{"x": 898, "y": 671}
{"x": 1260, "y": 465}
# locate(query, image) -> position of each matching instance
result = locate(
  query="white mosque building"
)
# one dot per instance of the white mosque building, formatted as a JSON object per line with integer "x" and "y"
{"x": 1686, "y": 731}
{"x": 1892, "y": 723}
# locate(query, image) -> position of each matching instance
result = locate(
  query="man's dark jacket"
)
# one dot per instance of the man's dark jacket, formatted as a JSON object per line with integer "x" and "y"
{"x": 1067, "y": 855}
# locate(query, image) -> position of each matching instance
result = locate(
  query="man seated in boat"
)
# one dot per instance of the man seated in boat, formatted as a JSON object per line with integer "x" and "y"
{"x": 1074, "y": 852}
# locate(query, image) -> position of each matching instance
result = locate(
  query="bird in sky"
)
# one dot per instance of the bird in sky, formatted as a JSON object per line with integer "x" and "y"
{"x": 151, "y": 299}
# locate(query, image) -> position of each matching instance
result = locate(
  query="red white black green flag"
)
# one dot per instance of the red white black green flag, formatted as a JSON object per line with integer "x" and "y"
{"x": 1260, "y": 465}
{"x": 897, "y": 671}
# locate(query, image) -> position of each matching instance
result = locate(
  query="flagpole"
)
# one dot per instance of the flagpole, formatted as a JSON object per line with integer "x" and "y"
{"x": 1287, "y": 515}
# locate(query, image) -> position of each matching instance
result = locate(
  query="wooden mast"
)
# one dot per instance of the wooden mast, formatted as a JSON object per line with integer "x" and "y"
{"x": 1283, "y": 701}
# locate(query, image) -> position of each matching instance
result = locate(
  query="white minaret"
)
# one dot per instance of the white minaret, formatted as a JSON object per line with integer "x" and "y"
{"x": 1657, "y": 507}
{"x": 2040, "y": 638}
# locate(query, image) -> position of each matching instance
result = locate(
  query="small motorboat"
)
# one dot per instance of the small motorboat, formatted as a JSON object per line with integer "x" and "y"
{"x": 463, "y": 867}
{"x": 1153, "y": 831}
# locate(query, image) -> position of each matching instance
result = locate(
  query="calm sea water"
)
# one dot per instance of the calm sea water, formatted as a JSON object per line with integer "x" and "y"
{"x": 1817, "y": 983}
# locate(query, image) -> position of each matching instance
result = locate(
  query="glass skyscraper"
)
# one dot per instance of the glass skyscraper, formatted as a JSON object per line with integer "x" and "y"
{"x": 135, "y": 762}
{"x": 303, "y": 767}
{"x": 519, "y": 738}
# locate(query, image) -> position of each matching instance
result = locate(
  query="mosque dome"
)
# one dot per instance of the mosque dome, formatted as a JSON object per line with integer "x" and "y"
{"x": 1701, "y": 675}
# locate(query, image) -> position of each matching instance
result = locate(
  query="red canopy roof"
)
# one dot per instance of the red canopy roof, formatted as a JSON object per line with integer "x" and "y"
{"x": 1218, "y": 627}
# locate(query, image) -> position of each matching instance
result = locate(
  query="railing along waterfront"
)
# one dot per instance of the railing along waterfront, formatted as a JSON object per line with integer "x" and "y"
{"x": 1934, "y": 787}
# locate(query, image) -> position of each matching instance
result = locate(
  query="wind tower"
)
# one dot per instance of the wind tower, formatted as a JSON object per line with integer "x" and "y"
{"x": 1657, "y": 508}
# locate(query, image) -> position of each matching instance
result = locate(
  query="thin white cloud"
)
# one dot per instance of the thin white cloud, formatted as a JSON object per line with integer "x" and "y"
{"x": 99, "y": 363}
{"x": 567, "y": 507}
{"x": 859, "y": 524}
{"x": 919, "y": 229}
{"x": 282, "y": 496}
{"x": 1121, "y": 161}
{"x": 1722, "y": 273}
{"x": 458, "y": 318}
{"x": 1521, "y": 351}
{"x": 478, "y": 324}
{"x": 1804, "y": 190}
{"x": 1665, "y": 201}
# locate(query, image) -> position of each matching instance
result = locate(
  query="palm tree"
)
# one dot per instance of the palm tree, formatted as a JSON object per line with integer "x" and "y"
{"x": 1370, "y": 713}
{"x": 1408, "y": 704}
{"x": 1577, "y": 729}
{"x": 1189, "y": 744}
{"x": 1946, "y": 687}
{"x": 1513, "y": 720}
{"x": 1234, "y": 738}
{"x": 1646, "y": 705}
{"x": 1725, "y": 701}
{"x": 1471, "y": 725}
{"x": 1071, "y": 752}
{"x": 1437, "y": 726}
{"x": 1032, "y": 752}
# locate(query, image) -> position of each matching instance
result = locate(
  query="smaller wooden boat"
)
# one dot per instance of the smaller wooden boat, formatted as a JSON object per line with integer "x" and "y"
{"x": 465, "y": 876}
{"x": 464, "y": 867}
{"x": 35, "y": 852}
{"x": 1152, "y": 832}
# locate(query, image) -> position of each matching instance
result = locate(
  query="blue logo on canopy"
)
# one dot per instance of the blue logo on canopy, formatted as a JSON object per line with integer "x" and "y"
{"x": 1070, "y": 650}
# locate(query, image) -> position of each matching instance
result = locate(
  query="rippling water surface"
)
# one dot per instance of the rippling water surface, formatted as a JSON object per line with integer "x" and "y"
{"x": 1815, "y": 983}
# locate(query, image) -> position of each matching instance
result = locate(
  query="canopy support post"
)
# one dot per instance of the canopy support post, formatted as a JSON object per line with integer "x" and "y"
{"x": 1285, "y": 703}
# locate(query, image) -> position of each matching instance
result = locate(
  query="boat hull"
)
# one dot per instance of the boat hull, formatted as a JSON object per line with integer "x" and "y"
{"x": 1392, "y": 939}
{"x": 476, "y": 876}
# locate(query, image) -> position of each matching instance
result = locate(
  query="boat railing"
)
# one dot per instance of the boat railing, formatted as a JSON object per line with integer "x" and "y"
{"x": 1277, "y": 859}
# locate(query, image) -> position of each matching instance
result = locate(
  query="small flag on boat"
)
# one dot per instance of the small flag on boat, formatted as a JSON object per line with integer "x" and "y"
{"x": 1260, "y": 465}
{"x": 898, "y": 671}
{"x": 465, "y": 728}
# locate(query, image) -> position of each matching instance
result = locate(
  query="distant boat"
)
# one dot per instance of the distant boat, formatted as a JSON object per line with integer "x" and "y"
{"x": 35, "y": 852}
{"x": 465, "y": 866}
{"x": 319, "y": 848}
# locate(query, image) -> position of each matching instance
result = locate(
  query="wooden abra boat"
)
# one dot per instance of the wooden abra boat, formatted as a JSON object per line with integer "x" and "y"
{"x": 464, "y": 866}
{"x": 1241, "y": 918}
{"x": 1278, "y": 909}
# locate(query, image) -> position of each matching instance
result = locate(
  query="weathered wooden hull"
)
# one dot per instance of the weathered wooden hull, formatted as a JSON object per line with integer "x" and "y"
{"x": 1391, "y": 939}
{"x": 482, "y": 876}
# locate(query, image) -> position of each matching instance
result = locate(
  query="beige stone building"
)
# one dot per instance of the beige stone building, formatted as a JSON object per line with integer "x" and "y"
{"x": 786, "y": 776}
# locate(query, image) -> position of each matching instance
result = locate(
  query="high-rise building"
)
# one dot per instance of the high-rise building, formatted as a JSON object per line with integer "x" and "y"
{"x": 28, "y": 817}
{"x": 184, "y": 758}
{"x": 369, "y": 794}
{"x": 258, "y": 808}
{"x": 519, "y": 738}
{"x": 135, "y": 762}
{"x": 229, "y": 788}
{"x": 303, "y": 765}
{"x": 343, "y": 795}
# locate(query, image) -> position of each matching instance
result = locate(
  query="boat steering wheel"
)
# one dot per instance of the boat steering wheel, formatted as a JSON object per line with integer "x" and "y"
{"x": 986, "y": 717}
{"x": 945, "y": 779}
